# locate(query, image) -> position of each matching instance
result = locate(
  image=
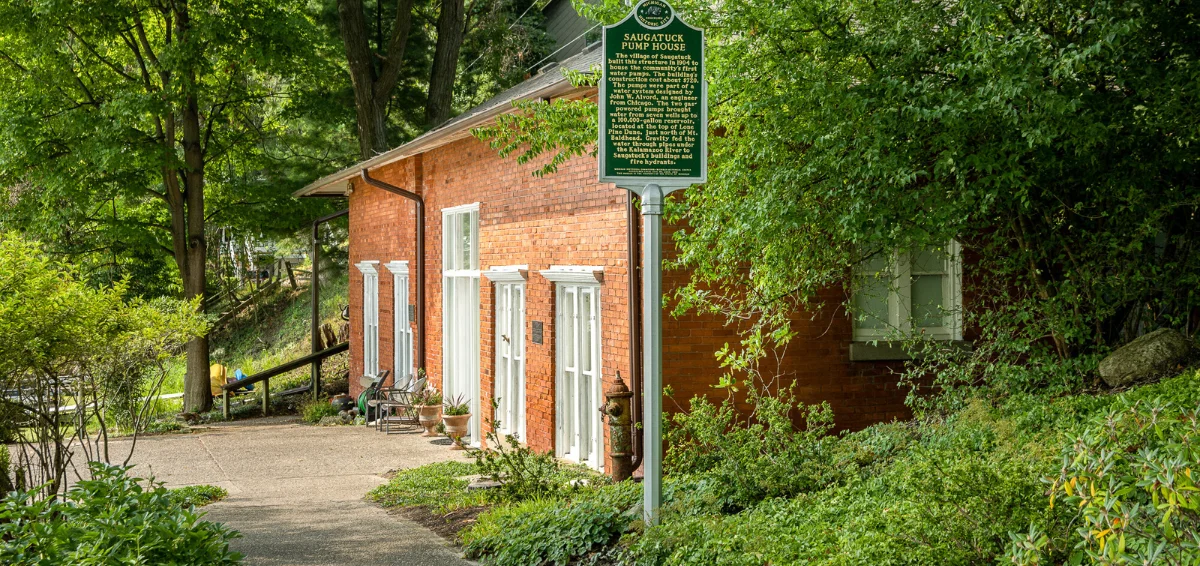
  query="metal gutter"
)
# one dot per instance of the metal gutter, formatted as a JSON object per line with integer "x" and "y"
{"x": 420, "y": 202}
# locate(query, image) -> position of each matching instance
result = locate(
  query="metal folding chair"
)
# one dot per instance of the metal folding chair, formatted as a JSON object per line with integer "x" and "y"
{"x": 396, "y": 406}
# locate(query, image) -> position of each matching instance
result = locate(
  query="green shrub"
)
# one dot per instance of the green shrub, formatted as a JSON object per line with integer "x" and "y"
{"x": 961, "y": 488}
{"x": 1131, "y": 481}
{"x": 197, "y": 495}
{"x": 110, "y": 519}
{"x": 524, "y": 473}
{"x": 313, "y": 411}
{"x": 552, "y": 531}
{"x": 757, "y": 456}
{"x": 10, "y": 477}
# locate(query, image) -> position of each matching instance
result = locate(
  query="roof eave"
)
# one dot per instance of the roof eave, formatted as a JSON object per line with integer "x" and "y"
{"x": 328, "y": 185}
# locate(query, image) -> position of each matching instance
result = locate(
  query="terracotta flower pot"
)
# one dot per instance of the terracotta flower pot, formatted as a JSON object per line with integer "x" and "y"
{"x": 457, "y": 426}
{"x": 429, "y": 416}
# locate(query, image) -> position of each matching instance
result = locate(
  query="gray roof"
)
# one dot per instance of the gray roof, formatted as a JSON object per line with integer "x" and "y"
{"x": 547, "y": 83}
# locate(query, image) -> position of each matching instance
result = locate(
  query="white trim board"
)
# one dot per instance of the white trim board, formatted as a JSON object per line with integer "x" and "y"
{"x": 458, "y": 209}
{"x": 507, "y": 273}
{"x": 397, "y": 267}
{"x": 368, "y": 267}
{"x": 580, "y": 274}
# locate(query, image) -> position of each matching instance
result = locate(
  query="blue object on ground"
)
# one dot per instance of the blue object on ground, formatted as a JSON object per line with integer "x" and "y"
{"x": 239, "y": 375}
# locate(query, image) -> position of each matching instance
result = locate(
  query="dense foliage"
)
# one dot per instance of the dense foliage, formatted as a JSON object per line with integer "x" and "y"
{"x": 748, "y": 458}
{"x": 110, "y": 519}
{"x": 984, "y": 484}
{"x": 75, "y": 354}
{"x": 1056, "y": 141}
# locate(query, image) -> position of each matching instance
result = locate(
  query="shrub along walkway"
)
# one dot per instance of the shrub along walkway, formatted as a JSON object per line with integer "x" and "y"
{"x": 296, "y": 491}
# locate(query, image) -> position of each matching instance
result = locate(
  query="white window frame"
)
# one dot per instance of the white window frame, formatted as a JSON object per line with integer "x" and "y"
{"x": 370, "y": 316}
{"x": 460, "y": 307}
{"x": 899, "y": 302}
{"x": 402, "y": 334}
{"x": 571, "y": 414}
{"x": 511, "y": 369}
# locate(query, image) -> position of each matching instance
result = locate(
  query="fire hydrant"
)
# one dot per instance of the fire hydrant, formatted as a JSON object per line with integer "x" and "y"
{"x": 620, "y": 431}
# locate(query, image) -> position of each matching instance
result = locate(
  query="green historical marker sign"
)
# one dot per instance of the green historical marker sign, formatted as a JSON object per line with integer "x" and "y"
{"x": 653, "y": 101}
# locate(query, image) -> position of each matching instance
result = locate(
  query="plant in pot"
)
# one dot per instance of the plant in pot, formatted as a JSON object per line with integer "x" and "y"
{"x": 457, "y": 419}
{"x": 429, "y": 409}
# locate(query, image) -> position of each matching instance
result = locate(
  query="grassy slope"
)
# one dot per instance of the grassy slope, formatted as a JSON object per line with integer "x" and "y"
{"x": 271, "y": 333}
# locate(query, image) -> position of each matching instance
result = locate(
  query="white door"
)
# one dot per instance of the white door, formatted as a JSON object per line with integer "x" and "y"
{"x": 460, "y": 309}
{"x": 578, "y": 345}
{"x": 510, "y": 358}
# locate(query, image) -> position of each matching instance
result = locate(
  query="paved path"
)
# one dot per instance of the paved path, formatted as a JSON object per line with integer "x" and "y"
{"x": 296, "y": 491}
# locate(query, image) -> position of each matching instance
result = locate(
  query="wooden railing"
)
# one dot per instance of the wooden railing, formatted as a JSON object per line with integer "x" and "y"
{"x": 265, "y": 376}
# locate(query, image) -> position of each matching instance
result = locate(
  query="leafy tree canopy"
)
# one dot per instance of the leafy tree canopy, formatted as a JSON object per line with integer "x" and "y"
{"x": 94, "y": 124}
{"x": 1056, "y": 140}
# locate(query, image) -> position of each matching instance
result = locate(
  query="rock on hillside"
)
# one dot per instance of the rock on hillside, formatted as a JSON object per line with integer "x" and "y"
{"x": 1147, "y": 357}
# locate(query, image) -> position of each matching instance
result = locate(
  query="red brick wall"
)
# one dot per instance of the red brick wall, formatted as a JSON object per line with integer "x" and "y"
{"x": 569, "y": 219}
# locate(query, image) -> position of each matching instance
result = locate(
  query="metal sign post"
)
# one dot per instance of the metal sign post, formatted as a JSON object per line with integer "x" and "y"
{"x": 653, "y": 140}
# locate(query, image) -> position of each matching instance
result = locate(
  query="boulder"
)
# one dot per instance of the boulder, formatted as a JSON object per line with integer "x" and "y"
{"x": 1147, "y": 357}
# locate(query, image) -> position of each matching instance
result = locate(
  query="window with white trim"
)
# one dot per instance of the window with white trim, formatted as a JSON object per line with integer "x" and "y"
{"x": 402, "y": 334}
{"x": 370, "y": 316}
{"x": 909, "y": 294}
{"x": 460, "y": 308}
{"x": 580, "y": 436}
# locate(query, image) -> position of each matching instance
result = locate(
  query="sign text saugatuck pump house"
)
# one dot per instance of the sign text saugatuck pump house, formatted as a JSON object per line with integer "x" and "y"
{"x": 653, "y": 111}
{"x": 653, "y": 140}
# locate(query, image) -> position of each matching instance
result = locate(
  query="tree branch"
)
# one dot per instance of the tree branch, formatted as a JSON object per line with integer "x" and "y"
{"x": 390, "y": 72}
{"x": 106, "y": 62}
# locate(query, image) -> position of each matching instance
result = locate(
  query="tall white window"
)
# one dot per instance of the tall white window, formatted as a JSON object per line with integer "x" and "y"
{"x": 910, "y": 294}
{"x": 460, "y": 308}
{"x": 510, "y": 347}
{"x": 402, "y": 334}
{"x": 580, "y": 437}
{"x": 370, "y": 316}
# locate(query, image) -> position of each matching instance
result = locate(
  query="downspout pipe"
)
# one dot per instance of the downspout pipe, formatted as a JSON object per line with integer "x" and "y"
{"x": 420, "y": 202}
{"x": 315, "y": 285}
{"x": 634, "y": 238}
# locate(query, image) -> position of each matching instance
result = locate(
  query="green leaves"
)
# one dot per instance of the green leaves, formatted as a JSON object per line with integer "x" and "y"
{"x": 93, "y": 134}
{"x": 110, "y": 519}
{"x": 1130, "y": 481}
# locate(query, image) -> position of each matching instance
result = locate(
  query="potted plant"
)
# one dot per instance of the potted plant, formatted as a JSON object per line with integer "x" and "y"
{"x": 429, "y": 409}
{"x": 457, "y": 419}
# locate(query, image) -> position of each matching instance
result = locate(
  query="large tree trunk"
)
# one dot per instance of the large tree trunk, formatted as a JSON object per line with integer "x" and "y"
{"x": 445, "y": 62}
{"x": 197, "y": 396}
{"x": 372, "y": 89}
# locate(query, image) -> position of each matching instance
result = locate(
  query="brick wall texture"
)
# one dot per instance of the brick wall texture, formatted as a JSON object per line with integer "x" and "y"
{"x": 567, "y": 218}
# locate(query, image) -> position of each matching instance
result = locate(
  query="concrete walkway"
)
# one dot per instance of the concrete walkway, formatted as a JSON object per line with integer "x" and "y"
{"x": 296, "y": 491}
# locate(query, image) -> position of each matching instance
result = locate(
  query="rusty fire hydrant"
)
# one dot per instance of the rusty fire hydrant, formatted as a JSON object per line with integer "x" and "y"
{"x": 620, "y": 431}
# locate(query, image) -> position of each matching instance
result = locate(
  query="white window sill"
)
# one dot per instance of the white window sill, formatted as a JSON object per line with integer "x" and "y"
{"x": 890, "y": 351}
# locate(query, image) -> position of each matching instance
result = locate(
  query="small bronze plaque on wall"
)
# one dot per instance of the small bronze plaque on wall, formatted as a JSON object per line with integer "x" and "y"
{"x": 412, "y": 312}
{"x": 537, "y": 332}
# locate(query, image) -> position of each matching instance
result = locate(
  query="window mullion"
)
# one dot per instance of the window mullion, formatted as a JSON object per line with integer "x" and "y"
{"x": 903, "y": 298}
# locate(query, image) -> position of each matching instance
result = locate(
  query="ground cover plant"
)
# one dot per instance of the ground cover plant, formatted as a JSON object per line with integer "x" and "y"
{"x": 998, "y": 480}
{"x": 197, "y": 495}
{"x": 111, "y": 519}
{"x": 438, "y": 493}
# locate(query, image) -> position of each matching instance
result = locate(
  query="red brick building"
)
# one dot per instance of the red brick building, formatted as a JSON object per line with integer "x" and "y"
{"x": 527, "y": 290}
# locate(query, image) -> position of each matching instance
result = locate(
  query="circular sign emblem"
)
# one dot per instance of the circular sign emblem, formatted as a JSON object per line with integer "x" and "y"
{"x": 653, "y": 13}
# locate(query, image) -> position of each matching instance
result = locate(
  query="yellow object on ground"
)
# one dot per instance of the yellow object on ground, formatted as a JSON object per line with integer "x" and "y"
{"x": 217, "y": 375}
